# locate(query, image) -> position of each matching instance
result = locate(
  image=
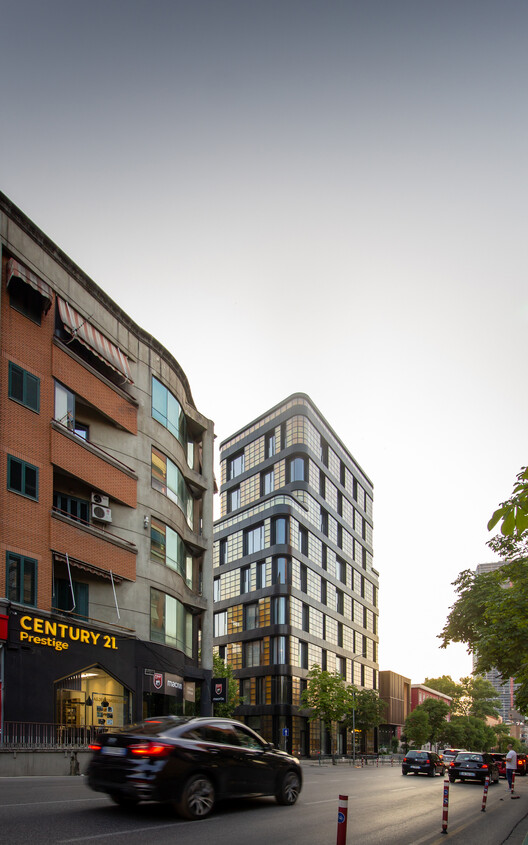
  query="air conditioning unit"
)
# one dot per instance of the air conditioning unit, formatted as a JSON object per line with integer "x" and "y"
{"x": 100, "y": 513}
{"x": 98, "y": 499}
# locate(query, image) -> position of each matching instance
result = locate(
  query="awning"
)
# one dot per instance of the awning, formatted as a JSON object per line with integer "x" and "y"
{"x": 16, "y": 270}
{"x": 88, "y": 567}
{"x": 97, "y": 343}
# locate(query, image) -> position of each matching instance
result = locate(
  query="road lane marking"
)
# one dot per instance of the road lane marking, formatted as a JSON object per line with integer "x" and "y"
{"x": 38, "y": 803}
{"x": 131, "y": 831}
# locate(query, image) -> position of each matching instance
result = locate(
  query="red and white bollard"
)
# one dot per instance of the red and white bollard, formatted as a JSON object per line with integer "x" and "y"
{"x": 485, "y": 794}
{"x": 342, "y": 813}
{"x": 512, "y": 795}
{"x": 445, "y": 805}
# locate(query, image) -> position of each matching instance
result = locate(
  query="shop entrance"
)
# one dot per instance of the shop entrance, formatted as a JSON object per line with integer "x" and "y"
{"x": 91, "y": 698}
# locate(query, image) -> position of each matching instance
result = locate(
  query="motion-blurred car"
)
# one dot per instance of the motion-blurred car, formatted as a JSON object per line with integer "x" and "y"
{"x": 473, "y": 765}
{"x": 191, "y": 763}
{"x": 422, "y": 762}
{"x": 500, "y": 760}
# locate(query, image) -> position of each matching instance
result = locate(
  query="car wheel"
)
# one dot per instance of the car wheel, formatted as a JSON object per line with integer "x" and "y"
{"x": 197, "y": 798}
{"x": 124, "y": 800}
{"x": 289, "y": 788}
{"x": 451, "y": 780}
{"x": 431, "y": 772}
{"x": 405, "y": 773}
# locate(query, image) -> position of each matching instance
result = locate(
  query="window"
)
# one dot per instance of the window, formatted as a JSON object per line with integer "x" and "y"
{"x": 322, "y": 483}
{"x": 168, "y": 479}
{"x": 64, "y": 406}
{"x": 233, "y": 499}
{"x": 261, "y": 574}
{"x": 252, "y": 653}
{"x": 170, "y": 622}
{"x": 323, "y": 522}
{"x": 168, "y": 548}
{"x": 303, "y": 540}
{"x": 340, "y": 536}
{"x": 304, "y": 578}
{"x": 63, "y": 599}
{"x": 222, "y": 551}
{"x": 341, "y": 570}
{"x": 22, "y": 477}
{"x": 278, "y": 650}
{"x": 323, "y": 591}
{"x": 324, "y": 660}
{"x": 339, "y": 601}
{"x": 216, "y": 589}
{"x": 254, "y": 539}
{"x": 267, "y": 483}
{"x": 340, "y": 504}
{"x": 341, "y": 666}
{"x": 24, "y": 299}
{"x": 167, "y": 410}
{"x": 73, "y": 508}
{"x": 306, "y": 617}
{"x": 281, "y": 530}
{"x": 251, "y": 617}
{"x": 270, "y": 445}
{"x": 340, "y": 634}
{"x": 303, "y": 655}
{"x": 324, "y": 452}
{"x": 245, "y": 580}
{"x": 24, "y": 387}
{"x": 283, "y": 689}
{"x": 280, "y": 570}
{"x": 235, "y": 466}
{"x": 21, "y": 579}
{"x": 220, "y": 624}
{"x": 279, "y": 610}
{"x": 296, "y": 469}
{"x": 342, "y": 473}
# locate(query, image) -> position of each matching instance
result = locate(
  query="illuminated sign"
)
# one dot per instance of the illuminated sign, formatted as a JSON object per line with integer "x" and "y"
{"x": 59, "y": 635}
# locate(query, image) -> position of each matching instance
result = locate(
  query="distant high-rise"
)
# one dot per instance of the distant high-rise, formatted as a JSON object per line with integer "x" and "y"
{"x": 294, "y": 583}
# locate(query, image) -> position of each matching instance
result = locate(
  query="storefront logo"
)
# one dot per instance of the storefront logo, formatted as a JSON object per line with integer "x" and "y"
{"x": 158, "y": 680}
{"x": 58, "y": 636}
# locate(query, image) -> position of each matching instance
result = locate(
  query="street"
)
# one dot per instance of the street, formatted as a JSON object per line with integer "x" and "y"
{"x": 383, "y": 807}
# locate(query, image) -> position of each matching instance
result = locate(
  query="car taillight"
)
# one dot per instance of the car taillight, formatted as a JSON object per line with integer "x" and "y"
{"x": 452, "y": 763}
{"x": 404, "y": 760}
{"x": 484, "y": 766}
{"x": 94, "y": 747}
{"x": 150, "y": 749}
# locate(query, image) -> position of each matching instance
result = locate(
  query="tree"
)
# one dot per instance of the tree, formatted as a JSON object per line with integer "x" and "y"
{"x": 449, "y": 687}
{"x": 364, "y": 709}
{"x": 417, "y": 727}
{"x": 485, "y": 700}
{"x": 225, "y": 670}
{"x": 325, "y": 695}
{"x": 436, "y": 711}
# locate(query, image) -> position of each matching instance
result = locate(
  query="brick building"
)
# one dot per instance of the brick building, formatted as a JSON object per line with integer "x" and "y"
{"x": 106, "y": 489}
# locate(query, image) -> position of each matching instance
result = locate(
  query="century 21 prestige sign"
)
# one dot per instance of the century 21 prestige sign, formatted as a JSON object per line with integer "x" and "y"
{"x": 58, "y": 636}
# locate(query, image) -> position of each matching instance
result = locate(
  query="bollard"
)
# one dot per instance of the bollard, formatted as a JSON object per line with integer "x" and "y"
{"x": 445, "y": 810}
{"x": 485, "y": 794}
{"x": 392, "y": 762}
{"x": 342, "y": 813}
{"x": 513, "y": 787}
{"x": 377, "y": 762}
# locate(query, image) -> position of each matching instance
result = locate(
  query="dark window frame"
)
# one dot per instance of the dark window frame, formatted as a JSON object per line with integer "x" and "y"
{"x": 27, "y": 379}
{"x": 22, "y": 562}
{"x": 24, "y": 466}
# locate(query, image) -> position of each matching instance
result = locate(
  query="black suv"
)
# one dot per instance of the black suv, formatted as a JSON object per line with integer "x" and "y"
{"x": 191, "y": 763}
{"x": 425, "y": 762}
{"x": 474, "y": 765}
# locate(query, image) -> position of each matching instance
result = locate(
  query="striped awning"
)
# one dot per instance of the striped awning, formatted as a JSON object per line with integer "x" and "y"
{"x": 97, "y": 343}
{"x": 97, "y": 571}
{"x": 16, "y": 270}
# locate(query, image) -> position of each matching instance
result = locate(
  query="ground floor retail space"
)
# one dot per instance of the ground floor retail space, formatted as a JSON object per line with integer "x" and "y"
{"x": 75, "y": 676}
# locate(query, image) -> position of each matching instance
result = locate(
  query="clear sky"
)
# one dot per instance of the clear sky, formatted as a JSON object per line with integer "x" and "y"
{"x": 333, "y": 196}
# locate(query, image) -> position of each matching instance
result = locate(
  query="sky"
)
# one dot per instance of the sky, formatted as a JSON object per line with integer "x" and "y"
{"x": 316, "y": 196}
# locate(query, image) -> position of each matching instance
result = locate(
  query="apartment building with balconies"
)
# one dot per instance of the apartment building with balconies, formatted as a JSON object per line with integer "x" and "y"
{"x": 106, "y": 489}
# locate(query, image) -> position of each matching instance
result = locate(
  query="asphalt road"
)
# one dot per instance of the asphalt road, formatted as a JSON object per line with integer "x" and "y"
{"x": 383, "y": 807}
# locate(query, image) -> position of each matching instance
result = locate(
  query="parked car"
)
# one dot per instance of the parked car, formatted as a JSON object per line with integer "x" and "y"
{"x": 522, "y": 763}
{"x": 422, "y": 762}
{"x": 500, "y": 760}
{"x": 473, "y": 765}
{"x": 191, "y": 763}
{"x": 449, "y": 754}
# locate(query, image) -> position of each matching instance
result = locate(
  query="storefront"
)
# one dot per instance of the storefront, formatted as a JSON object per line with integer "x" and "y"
{"x": 75, "y": 676}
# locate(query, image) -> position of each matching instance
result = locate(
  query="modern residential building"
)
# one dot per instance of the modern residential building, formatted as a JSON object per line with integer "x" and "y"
{"x": 294, "y": 582}
{"x": 106, "y": 491}
{"x": 505, "y": 688}
{"x": 420, "y": 693}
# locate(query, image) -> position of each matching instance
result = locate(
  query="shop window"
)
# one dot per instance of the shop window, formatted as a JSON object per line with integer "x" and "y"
{"x": 21, "y": 579}
{"x": 22, "y": 477}
{"x": 24, "y": 387}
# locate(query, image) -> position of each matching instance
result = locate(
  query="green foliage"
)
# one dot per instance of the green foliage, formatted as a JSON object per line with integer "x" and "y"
{"x": 363, "y": 708}
{"x": 513, "y": 518}
{"x": 436, "y": 711}
{"x": 325, "y": 695}
{"x": 417, "y": 727}
{"x": 449, "y": 687}
{"x": 225, "y": 670}
{"x": 490, "y": 616}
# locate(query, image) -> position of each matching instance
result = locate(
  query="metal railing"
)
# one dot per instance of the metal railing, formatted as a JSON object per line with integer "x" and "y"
{"x": 45, "y": 735}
